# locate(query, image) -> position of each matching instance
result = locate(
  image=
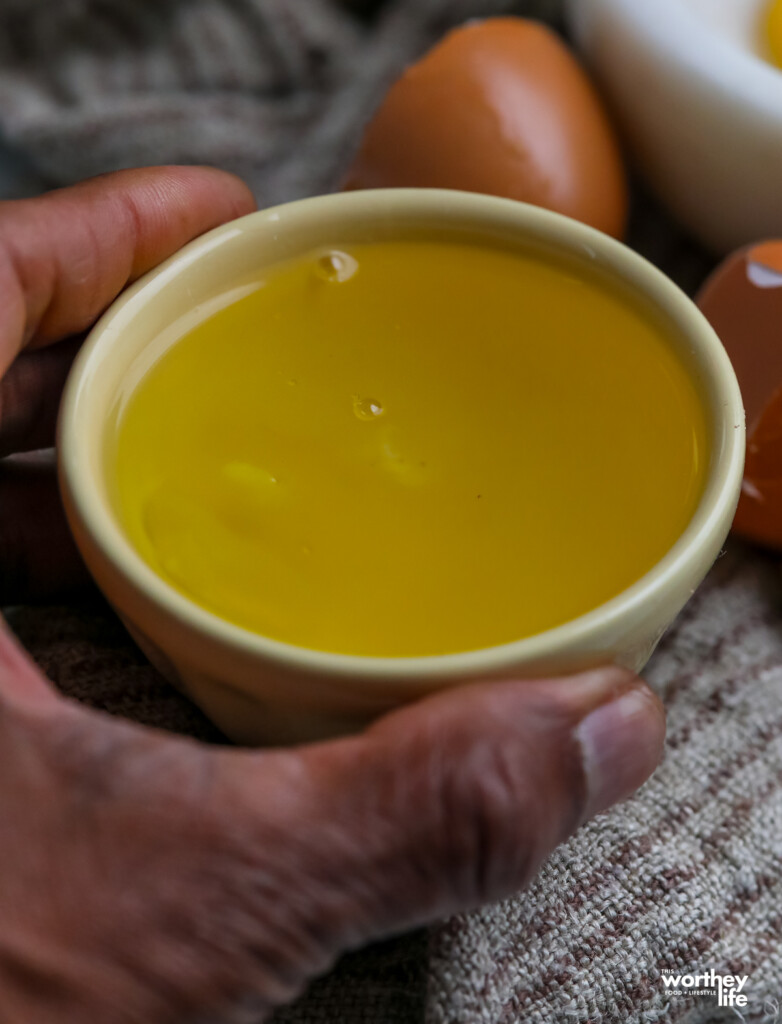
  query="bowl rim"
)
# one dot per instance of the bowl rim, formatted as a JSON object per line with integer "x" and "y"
{"x": 681, "y": 560}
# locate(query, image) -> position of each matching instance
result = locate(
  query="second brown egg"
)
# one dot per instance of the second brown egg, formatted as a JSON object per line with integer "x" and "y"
{"x": 502, "y": 107}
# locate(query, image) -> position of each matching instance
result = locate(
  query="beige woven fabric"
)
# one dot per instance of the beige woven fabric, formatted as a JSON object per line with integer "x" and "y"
{"x": 688, "y": 875}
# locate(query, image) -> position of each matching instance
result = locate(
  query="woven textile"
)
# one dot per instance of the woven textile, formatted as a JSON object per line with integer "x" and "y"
{"x": 274, "y": 90}
{"x": 687, "y": 876}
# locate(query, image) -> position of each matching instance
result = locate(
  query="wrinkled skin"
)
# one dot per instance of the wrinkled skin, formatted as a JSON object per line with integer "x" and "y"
{"x": 149, "y": 878}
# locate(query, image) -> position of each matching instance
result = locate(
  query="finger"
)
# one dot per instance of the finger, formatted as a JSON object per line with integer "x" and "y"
{"x": 20, "y": 679}
{"x": 38, "y": 557}
{"x": 440, "y": 807}
{"x": 66, "y": 255}
{"x": 30, "y": 397}
{"x": 261, "y": 869}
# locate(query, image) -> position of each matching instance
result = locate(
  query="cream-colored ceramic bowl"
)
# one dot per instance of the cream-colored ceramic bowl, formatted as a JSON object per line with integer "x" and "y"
{"x": 260, "y": 690}
{"x": 698, "y": 104}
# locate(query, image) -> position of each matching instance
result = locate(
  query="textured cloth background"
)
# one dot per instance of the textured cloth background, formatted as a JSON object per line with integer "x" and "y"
{"x": 272, "y": 89}
{"x": 688, "y": 875}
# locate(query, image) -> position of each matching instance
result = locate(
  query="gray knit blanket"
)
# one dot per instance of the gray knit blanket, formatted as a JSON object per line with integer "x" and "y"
{"x": 683, "y": 879}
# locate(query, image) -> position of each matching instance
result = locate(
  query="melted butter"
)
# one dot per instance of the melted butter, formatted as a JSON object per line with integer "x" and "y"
{"x": 410, "y": 448}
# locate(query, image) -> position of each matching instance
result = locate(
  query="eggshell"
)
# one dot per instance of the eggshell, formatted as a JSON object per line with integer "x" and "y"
{"x": 499, "y": 106}
{"x": 743, "y": 302}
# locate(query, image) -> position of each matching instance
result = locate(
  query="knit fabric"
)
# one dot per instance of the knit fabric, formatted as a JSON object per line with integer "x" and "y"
{"x": 687, "y": 876}
{"x": 274, "y": 90}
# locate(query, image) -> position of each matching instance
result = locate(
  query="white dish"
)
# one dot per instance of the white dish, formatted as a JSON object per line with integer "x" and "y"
{"x": 699, "y": 106}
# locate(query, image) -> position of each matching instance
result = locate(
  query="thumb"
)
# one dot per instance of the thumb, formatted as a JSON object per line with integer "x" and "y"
{"x": 451, "y": 802}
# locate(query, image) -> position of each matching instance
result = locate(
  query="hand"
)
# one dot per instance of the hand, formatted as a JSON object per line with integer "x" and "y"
{"x": 63, "y": 258}
{"x": 148, "y": 878}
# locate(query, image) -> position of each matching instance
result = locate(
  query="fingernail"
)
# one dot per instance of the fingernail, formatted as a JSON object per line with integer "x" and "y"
{"x": 621, "y": 743}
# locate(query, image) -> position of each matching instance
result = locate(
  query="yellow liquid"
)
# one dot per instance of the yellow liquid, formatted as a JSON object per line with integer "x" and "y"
{"x": 436, "y": 448}
{"x": 774, "y": 30}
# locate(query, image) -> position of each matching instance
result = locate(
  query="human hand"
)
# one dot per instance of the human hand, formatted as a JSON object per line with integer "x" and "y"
{"x": 149, "y": 878}
{"x": 63, "y": 258}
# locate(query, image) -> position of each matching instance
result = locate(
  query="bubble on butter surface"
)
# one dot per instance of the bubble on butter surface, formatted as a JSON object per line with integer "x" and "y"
{"x": 336, "y": 267}
{"x": 367, "y": 409}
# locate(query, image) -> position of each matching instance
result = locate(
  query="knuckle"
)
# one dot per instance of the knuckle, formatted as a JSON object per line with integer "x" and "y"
{"x": 488, "y": 821}
{"x": 499, "y": 804}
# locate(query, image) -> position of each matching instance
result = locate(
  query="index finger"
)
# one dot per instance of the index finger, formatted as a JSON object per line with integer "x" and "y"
{"x": 66, "y": 255}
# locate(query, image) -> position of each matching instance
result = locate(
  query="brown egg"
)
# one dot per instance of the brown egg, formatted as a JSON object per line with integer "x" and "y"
{"x": 500, "y": 106}
{"x": 743, "y": 301}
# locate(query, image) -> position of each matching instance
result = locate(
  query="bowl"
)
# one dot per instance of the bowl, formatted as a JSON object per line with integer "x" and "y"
{"x": 700, "y": 111}
{"x": 258, "y": 690}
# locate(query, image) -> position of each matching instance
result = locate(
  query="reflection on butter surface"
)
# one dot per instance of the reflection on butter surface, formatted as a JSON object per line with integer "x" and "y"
{"x": 410, "y": 448}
